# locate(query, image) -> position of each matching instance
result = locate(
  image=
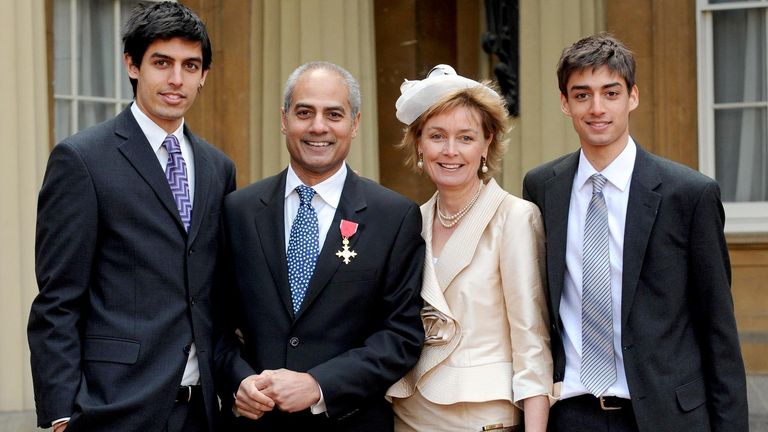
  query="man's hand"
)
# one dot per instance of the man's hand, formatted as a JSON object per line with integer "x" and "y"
{"x": 291, "y": 391}
{"x": 250, "y": 402}
{"x": 60, "y": 426}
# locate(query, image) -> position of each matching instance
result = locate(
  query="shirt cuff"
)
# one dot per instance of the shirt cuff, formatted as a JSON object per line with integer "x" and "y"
{"x": 319, "y": 407}
{"x": 61, "y": 420}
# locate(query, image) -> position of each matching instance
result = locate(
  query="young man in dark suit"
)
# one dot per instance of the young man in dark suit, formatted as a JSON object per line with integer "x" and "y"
{"x": 643, "y": 329}
{"x": 127, "y": 246}
{"x": 326, "y": 269}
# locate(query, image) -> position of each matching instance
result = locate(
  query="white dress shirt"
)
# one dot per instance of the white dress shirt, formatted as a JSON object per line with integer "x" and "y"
{"x": 616, "y": 193}
{"x": 156, "y": 135}
{"x": 325, "y": 202}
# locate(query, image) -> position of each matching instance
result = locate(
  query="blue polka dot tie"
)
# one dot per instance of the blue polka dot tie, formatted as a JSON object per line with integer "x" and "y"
{"x": 598, "y": 367}
{"x": 302, "y": 247}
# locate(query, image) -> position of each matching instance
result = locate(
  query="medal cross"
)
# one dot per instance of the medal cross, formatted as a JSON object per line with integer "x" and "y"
{"x": 346, "y": 254}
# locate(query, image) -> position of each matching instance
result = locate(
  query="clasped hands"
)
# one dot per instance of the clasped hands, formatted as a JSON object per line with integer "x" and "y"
{"x": 287, "y": 390}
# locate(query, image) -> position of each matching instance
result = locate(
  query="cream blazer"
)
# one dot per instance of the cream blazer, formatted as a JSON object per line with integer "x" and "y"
{"x": 485, "y": 314}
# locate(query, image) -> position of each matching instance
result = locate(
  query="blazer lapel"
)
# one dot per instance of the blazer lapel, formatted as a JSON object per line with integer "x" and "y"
{"x": 139, "y": 153}
{"x": 460, "y": 248}
{"x": 557, "y": 200}
{"x": 203, "y": 174}
{"x": 351, "y": 206}
{"x": 641, "y": 215}
{"x": 430, "y": 288}
{"x": 270, "y": 225}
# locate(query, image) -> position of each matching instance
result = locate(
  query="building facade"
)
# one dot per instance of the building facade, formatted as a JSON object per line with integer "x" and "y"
{"x": 701, "y": 73}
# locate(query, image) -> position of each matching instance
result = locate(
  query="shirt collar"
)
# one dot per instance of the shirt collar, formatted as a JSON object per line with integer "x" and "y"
{"x": 154, "y": 133}
{"x": 329, "y": 189}
{"x": 618, "y": 172}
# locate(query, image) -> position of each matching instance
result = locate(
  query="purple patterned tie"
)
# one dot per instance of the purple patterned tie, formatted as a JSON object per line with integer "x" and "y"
{"x": 176, "y": 172}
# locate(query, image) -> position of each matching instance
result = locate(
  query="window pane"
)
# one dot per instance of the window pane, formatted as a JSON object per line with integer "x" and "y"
{"x": 739, "y": 55}
{"x": 126, "y": 6}
{"x": 731, "y": 1}
{"x": 96, "y": 60}
{"x": 62, "y": 120}
{"x": 62, "y": 60}
{"x": 741, "y": 152}
{"x": 91, "y": 113}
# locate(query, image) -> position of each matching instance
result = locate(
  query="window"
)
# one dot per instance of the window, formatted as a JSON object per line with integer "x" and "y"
{"x": 733, "y": 101}
{"x": 90, "y": 84}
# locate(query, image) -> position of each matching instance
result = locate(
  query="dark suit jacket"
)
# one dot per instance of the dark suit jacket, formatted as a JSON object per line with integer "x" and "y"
{"x": 124, "y": 290}
{"x": 358, "y": 330}
{"x": 678, "y": 331}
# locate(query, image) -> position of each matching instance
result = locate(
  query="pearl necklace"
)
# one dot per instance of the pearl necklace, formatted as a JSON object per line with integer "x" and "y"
{"x": 450, "y": 221}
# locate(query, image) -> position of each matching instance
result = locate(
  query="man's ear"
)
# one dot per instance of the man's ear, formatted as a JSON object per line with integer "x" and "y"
{"x": 283, "y": 127}
{"x": 356, "y": 124}
{"x": 634, "y": 98}
{"x": 564, "y": 107}
{"x": 133, "y": 70}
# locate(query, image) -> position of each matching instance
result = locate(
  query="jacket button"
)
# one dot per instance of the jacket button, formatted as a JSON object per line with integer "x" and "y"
{"x": 294, "y": 341}
{"x": 191, "y": 301}
{"x": 187, "y": 349}
{"x": 191, "y": 251}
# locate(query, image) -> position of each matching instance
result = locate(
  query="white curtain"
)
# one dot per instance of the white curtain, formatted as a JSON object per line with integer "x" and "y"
{"x": 740, "y": 76}
{"x": 96, "y": 54}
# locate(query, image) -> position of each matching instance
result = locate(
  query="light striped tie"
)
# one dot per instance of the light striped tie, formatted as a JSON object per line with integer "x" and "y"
{"x": 598, "y": 368}
{"x": 176, "y": 173}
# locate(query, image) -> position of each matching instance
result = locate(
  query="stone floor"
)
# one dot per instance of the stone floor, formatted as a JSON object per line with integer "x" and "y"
{"x": 757, "y": 392}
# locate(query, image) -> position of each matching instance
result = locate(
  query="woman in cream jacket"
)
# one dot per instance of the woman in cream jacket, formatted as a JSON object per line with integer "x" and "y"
{"x": 486, "y": 354}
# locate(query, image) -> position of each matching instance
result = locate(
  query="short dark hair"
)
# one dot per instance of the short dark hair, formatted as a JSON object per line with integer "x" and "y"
{"x": 593, "y": 52}
{"x": 165, "y": 20}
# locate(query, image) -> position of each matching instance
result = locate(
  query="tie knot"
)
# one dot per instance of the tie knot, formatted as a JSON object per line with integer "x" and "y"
{"x": 172, "y": 144}
{"x": 305, "y": 195}
{"x": 598, "y": 181}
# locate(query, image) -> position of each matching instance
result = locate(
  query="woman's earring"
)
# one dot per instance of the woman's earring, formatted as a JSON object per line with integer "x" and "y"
{"x": 484, "y": 167}
{"x": 420, "y": 163}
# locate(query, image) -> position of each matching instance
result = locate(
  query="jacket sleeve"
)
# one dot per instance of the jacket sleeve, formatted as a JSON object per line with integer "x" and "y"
{"x": 522, "y": 266}
{"x": 390, "y": 352}
{"x": 710, "y": 273}
{"x": 66, "y": 238}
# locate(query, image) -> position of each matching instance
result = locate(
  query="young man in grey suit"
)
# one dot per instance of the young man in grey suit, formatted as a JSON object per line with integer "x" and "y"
{"x": 643, "y": 329}
{"x": 127, "y": 246}
{"x": 326, "y": 269}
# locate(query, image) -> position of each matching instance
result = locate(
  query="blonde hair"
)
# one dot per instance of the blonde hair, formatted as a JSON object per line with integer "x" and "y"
{"x": 493, "y": 118}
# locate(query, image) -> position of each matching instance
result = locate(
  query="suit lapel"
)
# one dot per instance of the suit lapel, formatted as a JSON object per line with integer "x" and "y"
{"x": 271, "y": 228}
{"x": 557, "y": 200}
{"x": 139, "y": 153}
{"x": 203, "y": 174}
{"x": 351, "y": 207}
{"x": 643, "y": 203}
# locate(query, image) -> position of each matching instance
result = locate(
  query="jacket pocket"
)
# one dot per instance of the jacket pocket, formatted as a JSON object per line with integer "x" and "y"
{"x": 691, "y": 395}
{"x": 105, "y": 349}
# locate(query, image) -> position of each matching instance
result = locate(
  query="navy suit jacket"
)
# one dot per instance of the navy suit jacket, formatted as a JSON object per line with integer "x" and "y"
{"x": 678, "y": 332}
{"x": 358, "y": 329}
{"x": 124, "y": 289}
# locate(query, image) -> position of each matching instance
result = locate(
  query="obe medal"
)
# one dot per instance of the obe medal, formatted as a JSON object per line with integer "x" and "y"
{"x": 348, "y": 229}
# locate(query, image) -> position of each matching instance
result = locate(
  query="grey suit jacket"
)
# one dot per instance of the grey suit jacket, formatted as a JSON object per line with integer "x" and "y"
{"x": 678, "y": 332}
{"x": 124, "y": 289}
